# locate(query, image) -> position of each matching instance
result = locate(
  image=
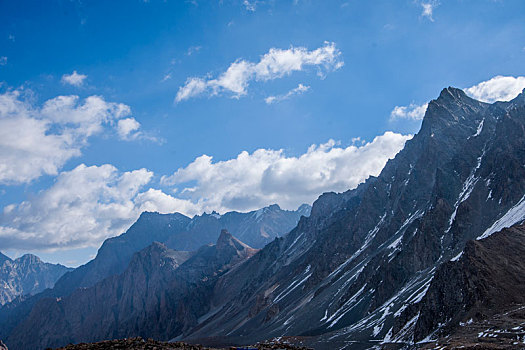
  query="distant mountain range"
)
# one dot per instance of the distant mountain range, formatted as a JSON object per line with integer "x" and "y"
{"x": 402, "y": 260}
{"x": 26, "y": 275}
{"x": 175, "y": 230}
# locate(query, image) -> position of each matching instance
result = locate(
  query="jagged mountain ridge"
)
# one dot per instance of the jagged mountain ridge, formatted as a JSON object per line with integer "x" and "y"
{"x": 26, "y": 275}
{"x": 177, "y": 231}
{"x": 364, "y": 255}
{"x": 162, "y": 290}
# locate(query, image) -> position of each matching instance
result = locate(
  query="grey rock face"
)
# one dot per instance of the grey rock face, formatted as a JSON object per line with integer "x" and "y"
{"x": 487, "y": 278}
{"x": 364, "y": 258}
{"x": 26, "y": 275}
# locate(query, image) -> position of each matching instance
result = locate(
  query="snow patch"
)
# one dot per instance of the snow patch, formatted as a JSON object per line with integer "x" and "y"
{"x": 293, "y": 286}
{"x": 456, "y": 258}
{"x": 478, "y": 131}
{"x": 514, "y": 215}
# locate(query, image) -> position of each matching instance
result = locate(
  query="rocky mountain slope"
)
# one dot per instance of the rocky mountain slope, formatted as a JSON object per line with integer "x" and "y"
{"x": 486, "y": 279}
{"x": 349, "y": 271}
{"x": 179, "y": 232}
{"x": 175, "y": 230}
{"x": 26, "y": 275}
{"x": 162, "y": 291}
{"x": 356, "y": 272}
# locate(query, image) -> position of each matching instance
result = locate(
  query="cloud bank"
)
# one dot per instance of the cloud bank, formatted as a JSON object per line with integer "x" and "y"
{"x": 499, "y": 88}
{"x": 82, "y": 208}
{"x": 88, "y": 204}
{"x": 36, "y": 141}
{"x": 251, "y": 181}
{"x": 276, "y": 63}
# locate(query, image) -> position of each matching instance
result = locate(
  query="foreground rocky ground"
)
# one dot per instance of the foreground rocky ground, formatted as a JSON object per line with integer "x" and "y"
{"x": 141, "y": 344}
{"x": 505, "y": 330}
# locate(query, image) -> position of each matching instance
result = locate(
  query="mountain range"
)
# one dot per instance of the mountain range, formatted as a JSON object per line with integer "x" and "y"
{"x": 26, "y": 275}
{"x": 417, "y": 253}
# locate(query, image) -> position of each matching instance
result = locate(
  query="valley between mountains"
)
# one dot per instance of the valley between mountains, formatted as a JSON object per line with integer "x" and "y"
{"x": 428, "y": 254}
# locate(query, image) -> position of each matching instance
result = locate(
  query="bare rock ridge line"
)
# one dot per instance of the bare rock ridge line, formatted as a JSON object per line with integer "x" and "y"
{"x": 177, "y": 231}
{"x": 367, "y": 267}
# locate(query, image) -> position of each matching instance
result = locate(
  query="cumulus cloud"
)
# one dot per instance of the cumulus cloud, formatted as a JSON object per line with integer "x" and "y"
{"x": 499, "y": 88}
{"x": 413, "y": 111}
{"x": 74, "y": 79}
{"x": 251, "y": 181}
{"x": 39, "y": 140}
{"x": 88, "y": 204}
{"x": 276, "y": 63}
{"x": 300, "y": 89}
{"x": 127, "y": 127}
{"x": 82, "y": 208}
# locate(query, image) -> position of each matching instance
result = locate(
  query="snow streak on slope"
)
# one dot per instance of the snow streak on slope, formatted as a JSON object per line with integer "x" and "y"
{"x": 513, "y": 216}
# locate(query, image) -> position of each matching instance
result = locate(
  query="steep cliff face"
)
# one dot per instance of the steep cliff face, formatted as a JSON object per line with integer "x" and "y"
{"x": 487, "y": 278}
{"x": 26, "y": 275}
{"x": 365, "y": 256}
{"x": 161, "y": 293}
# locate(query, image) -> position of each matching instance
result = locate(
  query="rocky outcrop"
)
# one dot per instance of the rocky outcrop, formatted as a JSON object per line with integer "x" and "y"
{"x": 26, "y": 275}
{"x": 487, "y": 278}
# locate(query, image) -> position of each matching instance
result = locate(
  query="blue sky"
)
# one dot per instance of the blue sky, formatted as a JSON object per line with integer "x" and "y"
{"x": 76, "y": 170}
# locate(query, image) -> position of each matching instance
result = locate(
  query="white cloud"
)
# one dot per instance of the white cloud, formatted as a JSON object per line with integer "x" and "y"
{"x": 82, "y": 208}
{"x": 87, "y": 118}
{"x": 300, "y": 89}
{"x": 413, "y": 111}
{"x": 276, "y": 63}
{"x": 499, "y": 88}
{"x": 3, "y": 60}
{"x": 74, "y": 79}
{"x": 86, "y": 205}
{"x": 39, "y": 140}
{"x": 127, "y": 127}
{"x": 192, "y": 88}
{"x": 251, "y": 181}
{"x": 428, "y": 9}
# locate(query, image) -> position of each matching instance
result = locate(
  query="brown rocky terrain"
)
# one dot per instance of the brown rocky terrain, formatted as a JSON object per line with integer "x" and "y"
{"x": 150, "y": 344}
